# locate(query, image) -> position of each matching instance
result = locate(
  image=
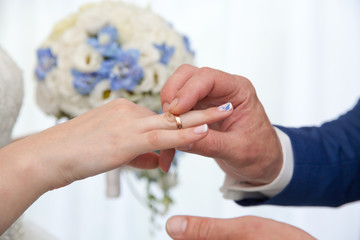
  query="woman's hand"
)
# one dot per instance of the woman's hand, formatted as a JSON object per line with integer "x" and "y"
{"x": 112, "y": 135}
{"x": 102, "y": 139}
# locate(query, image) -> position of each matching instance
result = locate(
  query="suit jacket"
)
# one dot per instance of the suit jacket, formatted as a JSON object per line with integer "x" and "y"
{"x": 326, "y": 164}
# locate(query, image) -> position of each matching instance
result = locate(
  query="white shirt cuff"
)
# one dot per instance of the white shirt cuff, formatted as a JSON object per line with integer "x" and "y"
{"x": 236, "y": 190}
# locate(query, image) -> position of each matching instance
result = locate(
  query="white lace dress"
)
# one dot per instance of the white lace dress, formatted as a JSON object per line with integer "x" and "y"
{"x": 11, "y": 95}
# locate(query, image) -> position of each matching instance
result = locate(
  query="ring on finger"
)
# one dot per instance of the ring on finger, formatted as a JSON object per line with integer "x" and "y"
{"x": 178, "y": 121}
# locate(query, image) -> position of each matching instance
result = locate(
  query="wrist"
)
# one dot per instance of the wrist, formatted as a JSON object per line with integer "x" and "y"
{"x": 22, "y": 166}
{"x": 270, "y": 162}
{"x": 21, "y": 183}
{"x": 237, "y": 190}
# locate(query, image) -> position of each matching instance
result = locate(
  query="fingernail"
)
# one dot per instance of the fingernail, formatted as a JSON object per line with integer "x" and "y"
{"x": 167, "y": 169}
{"x": 173, "y": 103}
{"x": 185, "y": 148}
{"x": 225, "y": 107}
{"x": 201, "y": 129}
{"x": 165, "y": 107}
{"x": 176, "y": 226}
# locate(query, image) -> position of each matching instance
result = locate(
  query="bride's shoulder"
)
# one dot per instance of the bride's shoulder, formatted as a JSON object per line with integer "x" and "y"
{"x": 8, "y": 68}
{"x": 11, "y": 95}
{"x": 11, "y": 78}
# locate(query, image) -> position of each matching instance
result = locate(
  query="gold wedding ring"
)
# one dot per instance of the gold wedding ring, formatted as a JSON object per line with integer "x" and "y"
{"x": 178, "y": 121}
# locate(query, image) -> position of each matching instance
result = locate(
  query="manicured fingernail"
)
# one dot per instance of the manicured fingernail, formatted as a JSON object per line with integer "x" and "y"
{"x": 225, "y": 107}
{"x": 201, "y": 129}
{"x": 167, "y": 169}
{"x": 173, "y": 103}
{"x": 185, "y": 148}
{"x": 165, "y": 107}
{"x": 176, "y": 226}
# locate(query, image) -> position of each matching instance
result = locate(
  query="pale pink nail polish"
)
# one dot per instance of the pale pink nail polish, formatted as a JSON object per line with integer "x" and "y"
{"x": 201, "y": 129}
{"x": 225, "y": 107}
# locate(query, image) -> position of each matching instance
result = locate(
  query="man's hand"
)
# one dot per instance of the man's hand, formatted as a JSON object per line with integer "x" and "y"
{"x": 242, "y": 228}
{"x": 245, "y": 145}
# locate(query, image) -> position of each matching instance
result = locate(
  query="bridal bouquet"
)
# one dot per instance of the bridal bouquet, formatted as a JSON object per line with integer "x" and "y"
{"x": 105, "y": 51}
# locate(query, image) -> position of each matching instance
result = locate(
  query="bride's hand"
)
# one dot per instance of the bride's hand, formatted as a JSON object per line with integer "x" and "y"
{"x": 107, "y": 137}
{"x": 102, "y": 139}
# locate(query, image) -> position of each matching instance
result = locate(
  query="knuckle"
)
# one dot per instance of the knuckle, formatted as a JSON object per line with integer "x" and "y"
{"x": 204, "y": 229}
{"x": 183, "y": 137}
{"x": 120, "y": 101}
{"x": 169, "y": 119}
{"x": 206, "y": 71}
{"x": 247, "y": 86}
{"x": 250, "y": 87}
{"x": 183, "y": 67}
{"x": 153, "y": 138}
{"x": 251, "y": 224}
{"x": 119, "y": 104}
{"x": 212, "y": 147}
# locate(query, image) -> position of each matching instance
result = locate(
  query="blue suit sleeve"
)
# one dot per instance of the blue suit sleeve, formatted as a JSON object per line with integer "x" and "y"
{"x": 326, "y": 167}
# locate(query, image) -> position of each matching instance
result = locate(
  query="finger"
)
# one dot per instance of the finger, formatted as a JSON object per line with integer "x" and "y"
{"x": 193, "y": 228}
{"x": 166, "y": 139}
{"x": 247, "y": 227}
{"x": 206, "y": 82}
{"x": 166, "y": 157}
{"x": 174, "y": 83}
{"x": 189, "y": 119}
{"x": 192, "y": 118}
{"x": 145, "y": 161}
{"x": 216, "y": 144}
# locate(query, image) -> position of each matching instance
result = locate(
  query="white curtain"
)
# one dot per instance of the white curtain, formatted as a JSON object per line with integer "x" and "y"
{"x": 303, "y": 57}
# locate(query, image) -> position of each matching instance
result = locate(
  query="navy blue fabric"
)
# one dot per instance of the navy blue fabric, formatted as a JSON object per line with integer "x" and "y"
{"x": 326, "y": 167}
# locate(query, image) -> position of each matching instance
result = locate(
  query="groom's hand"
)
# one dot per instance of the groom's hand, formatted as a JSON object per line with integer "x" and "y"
{"x": 245, "y": 145}
{"x": 249, "y": 227}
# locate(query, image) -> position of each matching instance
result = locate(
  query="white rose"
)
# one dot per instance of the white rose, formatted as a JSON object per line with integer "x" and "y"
{"x": 101, "y": 94}
{"x": 46, "y": 98}
{"x": 64, "y": 55}
{"x": 86, "y": 59}
{"x": 133, "y": 97}
{"x": 153, "y": 80}
{"x": 92, "y": 20}
{"x": 162, "y": 74}
{"x": 74, "y": 106}
{"x": 147, "y": 83}
{"x": 74, "y": 36}
{"x": 151, "y": 102}
{"x": 61, "y": 82}
{"x": 148, "y": 53}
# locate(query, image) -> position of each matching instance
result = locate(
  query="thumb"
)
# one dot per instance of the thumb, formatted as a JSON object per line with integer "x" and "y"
{"x": 215, "y": 145}
{"x": 194, "y": 228}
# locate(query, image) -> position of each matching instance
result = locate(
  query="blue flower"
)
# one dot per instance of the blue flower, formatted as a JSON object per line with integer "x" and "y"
{"x": 187, "y": 45}
{"x": 46, "y": 62}
{"x": 105, "y": 41}
{"x": 165, "y": 52}
{"x": 126, "y": 73}
{"x": 106, "y": 67}
{"x": 84, "y": 83}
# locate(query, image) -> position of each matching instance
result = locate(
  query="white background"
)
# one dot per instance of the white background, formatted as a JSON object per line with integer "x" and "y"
{"x": 303, "y": 57}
